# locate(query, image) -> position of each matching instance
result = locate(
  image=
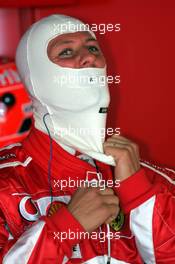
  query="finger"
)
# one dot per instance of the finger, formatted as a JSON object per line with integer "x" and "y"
{"x": 120, "y": 137}
{"x": 113, "y": 211}
{"x": 112, "y": 142}
{"x": 110, "y": 200}
{"x": 110, "y": 149}
{"x": 111, "y": 218}
{"x": 120, "y": 149}
{"x": 124, "y": 141}
{"x": 106, "y": 191}
{"x": 117, "y": 140}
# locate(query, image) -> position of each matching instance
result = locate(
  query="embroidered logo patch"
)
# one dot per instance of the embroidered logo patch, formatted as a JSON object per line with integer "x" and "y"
{"x": 103, "y": 110}
{"x": 118, "y": 222}
{"x": 7, "y": 156}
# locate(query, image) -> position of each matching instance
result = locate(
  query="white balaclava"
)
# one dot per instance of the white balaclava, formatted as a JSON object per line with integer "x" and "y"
{"x": 76, "y": 99}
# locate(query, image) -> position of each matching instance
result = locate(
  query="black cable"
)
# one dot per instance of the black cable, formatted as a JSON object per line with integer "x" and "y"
{"x": 96, "y": 166}
{"x": 49, "y": 163}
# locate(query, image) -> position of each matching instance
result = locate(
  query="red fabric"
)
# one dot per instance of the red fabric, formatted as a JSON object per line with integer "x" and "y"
{"x": 65, "y": 222}
{"x": 31, "y": 182}
{"x": 33, "y": 3}
{"x": 135, "y": 190}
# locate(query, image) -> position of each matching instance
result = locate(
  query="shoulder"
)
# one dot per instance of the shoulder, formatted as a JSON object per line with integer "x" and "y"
{"x": 159, "y": 174}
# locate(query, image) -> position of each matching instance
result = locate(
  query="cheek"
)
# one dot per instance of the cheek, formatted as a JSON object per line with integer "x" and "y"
{"x": 101, "y": 62}
{"x": 70, "y": 63}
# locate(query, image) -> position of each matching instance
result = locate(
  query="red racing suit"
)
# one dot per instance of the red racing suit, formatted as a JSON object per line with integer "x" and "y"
{"x": 31, "y": 229}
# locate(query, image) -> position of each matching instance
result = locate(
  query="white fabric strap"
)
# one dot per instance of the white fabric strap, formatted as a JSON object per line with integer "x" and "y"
{"x": 141, "y": 227}
{"x": 23, "y": 248}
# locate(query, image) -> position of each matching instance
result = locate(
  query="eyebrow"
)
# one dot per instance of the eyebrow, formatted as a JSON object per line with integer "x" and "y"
{"x": 91, "y": 39}
{"x": 71, "y": 41}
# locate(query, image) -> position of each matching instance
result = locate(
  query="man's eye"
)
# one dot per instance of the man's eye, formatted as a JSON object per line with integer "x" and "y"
{"x": 66, "y": 53}
{"x": 93, "y": 49}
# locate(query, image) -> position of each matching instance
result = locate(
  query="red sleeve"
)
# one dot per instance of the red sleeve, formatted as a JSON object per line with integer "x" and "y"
{"x": 40, "y": 243}
{"x": 64, "y": 223}
{"x": 149, "y": 195}
{"x": 135, "y": 190}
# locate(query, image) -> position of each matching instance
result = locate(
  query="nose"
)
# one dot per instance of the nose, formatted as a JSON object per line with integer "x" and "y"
{"x": 87, "y": 59}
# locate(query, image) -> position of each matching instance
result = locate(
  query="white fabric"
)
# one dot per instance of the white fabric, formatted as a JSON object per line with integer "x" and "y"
{"x": 21, "y": 251}
{"x": 141, "y": 227}
{"x": 11, "y": 146}
{"x": 68, "y": 149}
{"x": 73, "y": 105}
{"x": 16, "y": 163}
{"x": 103, "y": 259}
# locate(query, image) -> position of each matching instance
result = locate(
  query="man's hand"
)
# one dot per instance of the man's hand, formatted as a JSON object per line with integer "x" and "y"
{"x": 126, "y": 155}
{"x": 92, "y": 207}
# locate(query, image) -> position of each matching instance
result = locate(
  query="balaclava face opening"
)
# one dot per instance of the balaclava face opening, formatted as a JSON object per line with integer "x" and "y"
{"x": 76, "y": 99}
